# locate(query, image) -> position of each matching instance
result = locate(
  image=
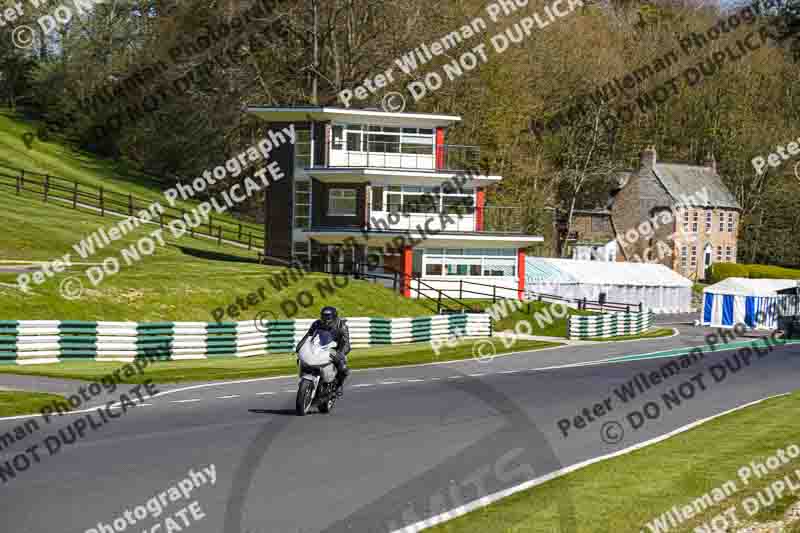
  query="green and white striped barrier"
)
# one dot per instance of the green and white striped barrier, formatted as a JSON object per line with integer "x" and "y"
{"x": 50, "y": 341}
{"x": 609, "y": 325}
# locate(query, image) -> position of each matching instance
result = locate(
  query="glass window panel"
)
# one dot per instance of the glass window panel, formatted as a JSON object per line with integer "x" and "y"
{"x": 433, "y": 269}
{"x": 342, "y": 202}
{"x": 423, "y": 131}
{"x": 354, "y": 142}
{"x": 434, "y": 251}
{"x": 394, "y": 202}
{"x": 338, "y": 137}
{"x": 475, "y": 270}
{"x": 410, "y": 130}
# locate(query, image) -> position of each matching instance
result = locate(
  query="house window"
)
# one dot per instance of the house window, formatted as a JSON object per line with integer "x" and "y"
{"x": 383, "y": 139}
{"x": 684, "y": 255}
{"x": 729, "y": 254}
{"x": 342, "y": 202}
{"x": 722, "y": 222}
{"x": 719, "y": 253}
{"x": 708, "y": 221}
{"x": 302, "y": 148}
{"x": 730, "y": 223}
{"x": 694, "y": 255}
{"x": 686, "y": 222}
{"x": 414, "y": 199}
{"x": 470, "y": 262}
{"x": 302, "y": 204}
{"x": 695, "y": 219}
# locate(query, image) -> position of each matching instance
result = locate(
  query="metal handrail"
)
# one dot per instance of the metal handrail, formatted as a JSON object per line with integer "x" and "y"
{"x": 388, "y": 154}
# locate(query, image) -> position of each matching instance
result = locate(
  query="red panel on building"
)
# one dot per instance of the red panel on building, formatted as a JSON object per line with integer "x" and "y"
{"x": 407, "y": 269}
{"x": 521, "y": 273}
{"x": 480, "y": 200}
{"x": 440, "y": 160}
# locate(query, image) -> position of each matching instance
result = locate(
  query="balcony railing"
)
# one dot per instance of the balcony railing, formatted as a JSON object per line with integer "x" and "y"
{"x": 393, "y": 155}
{"x": 487, "y": 219}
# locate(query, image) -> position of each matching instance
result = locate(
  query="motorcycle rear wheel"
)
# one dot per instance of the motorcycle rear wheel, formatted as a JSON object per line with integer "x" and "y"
{"x": 304, "y": 397}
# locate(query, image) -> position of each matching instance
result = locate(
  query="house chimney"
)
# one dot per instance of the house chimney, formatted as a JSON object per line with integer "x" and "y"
{"x": 648, "y": 157}
{"x": 711, "y": 162}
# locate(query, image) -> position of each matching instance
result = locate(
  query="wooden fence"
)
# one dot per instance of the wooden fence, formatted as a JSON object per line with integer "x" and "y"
{"x": 98, "y": 200}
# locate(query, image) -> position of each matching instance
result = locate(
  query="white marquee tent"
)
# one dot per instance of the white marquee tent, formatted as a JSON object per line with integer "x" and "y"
{"x": 753, "y": 302}
{"x": 659, "y": 289}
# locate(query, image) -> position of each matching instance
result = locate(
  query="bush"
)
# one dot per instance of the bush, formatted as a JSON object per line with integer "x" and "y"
{"x": 720, "y": 271}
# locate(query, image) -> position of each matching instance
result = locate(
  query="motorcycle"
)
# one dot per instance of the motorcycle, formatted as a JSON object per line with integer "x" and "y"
{"x": 318, "y": 383}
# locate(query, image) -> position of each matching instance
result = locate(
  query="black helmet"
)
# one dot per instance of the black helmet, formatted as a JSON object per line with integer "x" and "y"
{"x": 328, "y": 315}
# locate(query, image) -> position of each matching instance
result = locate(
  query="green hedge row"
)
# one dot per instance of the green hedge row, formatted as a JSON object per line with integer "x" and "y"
{"x": 720, "y": 271}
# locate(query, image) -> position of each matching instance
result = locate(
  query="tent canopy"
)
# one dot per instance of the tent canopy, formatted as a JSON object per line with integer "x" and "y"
{"x": 750, "y": 287}
{"x": 571, "y": 271}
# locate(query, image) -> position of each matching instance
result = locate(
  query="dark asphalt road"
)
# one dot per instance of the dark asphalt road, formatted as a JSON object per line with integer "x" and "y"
{"x": 403, "y": 444}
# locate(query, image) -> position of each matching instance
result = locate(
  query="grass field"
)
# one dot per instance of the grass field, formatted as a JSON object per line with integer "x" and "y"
{"x": 19, "y": 403}
{"x": 261, "y": 366}
{"x": 626, "y": 493}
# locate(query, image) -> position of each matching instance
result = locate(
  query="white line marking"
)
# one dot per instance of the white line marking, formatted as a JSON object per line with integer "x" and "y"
{"x": 362, "y": 385}
{"x": 289, "y": 390}
{"x": 491, "y": 498}
{"x": 415, "y": 380}
{"x": 227, "y": 397}
{"x": 265, "y": 393}
{"x": 455, "y": 377}
{"x": 186, "y": 401}
{"x": 388, "y": 382}
{"x": 478, "y": 374}
{"x": 145, "y": 405}
{"x": 510, "y": 371}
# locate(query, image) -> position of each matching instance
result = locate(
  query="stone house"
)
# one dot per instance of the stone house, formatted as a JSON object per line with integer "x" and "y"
{"x": 679, "y": 215}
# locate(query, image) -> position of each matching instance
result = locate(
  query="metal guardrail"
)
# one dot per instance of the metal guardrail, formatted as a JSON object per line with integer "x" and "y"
{"x": 394, "y": 155}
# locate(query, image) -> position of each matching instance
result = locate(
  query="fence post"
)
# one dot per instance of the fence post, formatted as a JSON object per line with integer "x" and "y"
{"x": 102, "y": 203}
{"x": 491, "y": 326}
{"x": 249, "y": 240}
{"x": 640, "y": 307}
{"x": 22, "y": 179}
{"x": 240, "y": 233}
{"x": 439, "y": 304}
{"x": 46, "y": 186}
{"x": 461, "y": 289}
{"x": 18, "y": 184}
{"x": 394, "y": 283}
{"x": 75, "y": 196}
{"x": 210, "y": 229}
{"x": 219, "y": 242}
{"x": 494, "y": 293}
{"x": 130, "y": 204}
{"x": 161, "y": 218}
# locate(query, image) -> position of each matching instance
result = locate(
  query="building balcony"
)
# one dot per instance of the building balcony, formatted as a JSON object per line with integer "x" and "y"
{"x": 392, "y": 156}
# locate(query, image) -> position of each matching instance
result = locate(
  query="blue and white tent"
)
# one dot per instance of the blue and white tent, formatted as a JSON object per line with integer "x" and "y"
{"x": 752, "y": 302}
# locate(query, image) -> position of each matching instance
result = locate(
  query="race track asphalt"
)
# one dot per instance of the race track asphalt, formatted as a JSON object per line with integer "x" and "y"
{"x": 402, "y": 445}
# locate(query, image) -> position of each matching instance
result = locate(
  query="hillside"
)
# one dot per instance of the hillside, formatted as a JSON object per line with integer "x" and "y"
{"x": 183, "y": 280}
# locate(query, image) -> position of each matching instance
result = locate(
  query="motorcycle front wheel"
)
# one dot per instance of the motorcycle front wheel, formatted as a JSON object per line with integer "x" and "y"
{"x": 305, "y": 396}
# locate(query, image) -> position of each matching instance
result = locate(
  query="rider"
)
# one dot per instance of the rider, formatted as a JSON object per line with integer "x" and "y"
{"x": 329, "y": 320}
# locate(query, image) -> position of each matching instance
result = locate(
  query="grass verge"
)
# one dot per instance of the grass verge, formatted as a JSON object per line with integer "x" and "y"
{"x": 545, "y": 318}
{"x": 652, "y": 334}
{"x": 19, "y": 403}
{"x": 628, "y": 492}
{"x": 226, "y": 368}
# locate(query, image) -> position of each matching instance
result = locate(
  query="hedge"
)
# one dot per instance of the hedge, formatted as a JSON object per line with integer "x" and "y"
{"x": 721, "y": 271}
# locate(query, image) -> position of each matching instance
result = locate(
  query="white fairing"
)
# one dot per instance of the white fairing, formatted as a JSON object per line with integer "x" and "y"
{"x": 313, "y": 353}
